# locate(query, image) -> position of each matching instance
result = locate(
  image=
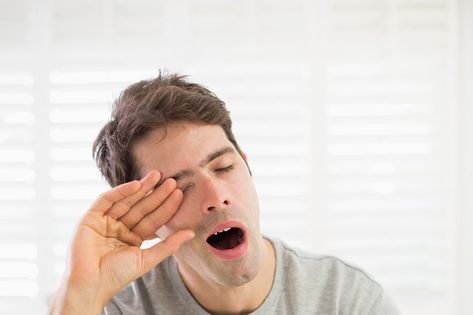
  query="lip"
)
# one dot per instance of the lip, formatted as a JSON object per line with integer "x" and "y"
{"x": 237, "y": 251}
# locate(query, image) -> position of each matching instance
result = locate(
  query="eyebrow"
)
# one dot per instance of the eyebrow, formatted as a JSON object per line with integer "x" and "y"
{"x": 209, "y": 158}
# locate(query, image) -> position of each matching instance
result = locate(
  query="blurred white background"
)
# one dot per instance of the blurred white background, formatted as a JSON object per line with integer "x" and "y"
{"x": 357, "y": 116}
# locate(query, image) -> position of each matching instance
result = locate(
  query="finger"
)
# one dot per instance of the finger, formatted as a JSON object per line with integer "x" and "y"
{"x": 122, "y": 206}
{"x": 153, "y": 221}
{"x": 157, "y": 253}
{"x": 148, "y": 203}
{"x": 106, "y": 200}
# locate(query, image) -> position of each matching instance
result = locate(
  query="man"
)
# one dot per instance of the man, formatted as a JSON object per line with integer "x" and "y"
{"x": 178, "y": 173}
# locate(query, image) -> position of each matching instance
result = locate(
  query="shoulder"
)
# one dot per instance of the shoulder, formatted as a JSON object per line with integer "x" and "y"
{"x": 328, "y": 282}
{"x": 323, "y": 267}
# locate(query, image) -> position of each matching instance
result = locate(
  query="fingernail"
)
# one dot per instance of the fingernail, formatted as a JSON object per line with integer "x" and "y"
{"x": 151, "y": 175}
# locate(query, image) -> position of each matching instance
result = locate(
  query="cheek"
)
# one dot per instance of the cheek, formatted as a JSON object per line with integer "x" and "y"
{"x": 245, "y": 187}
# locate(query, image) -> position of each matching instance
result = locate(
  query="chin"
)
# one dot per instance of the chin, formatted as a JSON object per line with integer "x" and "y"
{"x": 238, "y": 273}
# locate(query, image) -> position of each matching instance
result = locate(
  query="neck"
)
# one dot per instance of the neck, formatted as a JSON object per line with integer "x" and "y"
{"x": 220, "y": 299}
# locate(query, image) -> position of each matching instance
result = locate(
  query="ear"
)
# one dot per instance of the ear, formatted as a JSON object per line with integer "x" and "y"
{"x": 245, "y": 158}
{"x": 243, "y": 155}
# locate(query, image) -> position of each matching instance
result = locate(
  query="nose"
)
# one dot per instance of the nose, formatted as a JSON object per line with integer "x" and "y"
{"x": 214, "y": 196}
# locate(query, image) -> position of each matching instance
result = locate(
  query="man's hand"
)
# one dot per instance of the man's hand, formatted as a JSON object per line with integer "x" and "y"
{"x": 106, "y": 255}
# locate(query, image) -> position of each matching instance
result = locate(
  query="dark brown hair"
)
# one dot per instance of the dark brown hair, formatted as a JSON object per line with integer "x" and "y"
{"x": 151, "y": 104}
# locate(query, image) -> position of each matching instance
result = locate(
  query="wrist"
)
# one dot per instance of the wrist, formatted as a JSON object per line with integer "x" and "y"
{"x": 72, "y": 300}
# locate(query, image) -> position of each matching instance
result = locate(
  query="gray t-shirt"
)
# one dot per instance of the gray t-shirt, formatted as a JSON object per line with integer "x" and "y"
{"x": 303, "y": 284}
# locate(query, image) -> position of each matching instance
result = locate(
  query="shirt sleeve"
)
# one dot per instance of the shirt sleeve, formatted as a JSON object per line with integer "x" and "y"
{"x": 384, "y": 306}
{"x": 111, "y": 309}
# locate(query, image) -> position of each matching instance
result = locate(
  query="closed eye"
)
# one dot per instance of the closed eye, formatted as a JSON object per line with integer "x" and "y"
{"x": 225, "y": 169}
{"x": 187, "y": 187}
{"x": 218, "y": 170}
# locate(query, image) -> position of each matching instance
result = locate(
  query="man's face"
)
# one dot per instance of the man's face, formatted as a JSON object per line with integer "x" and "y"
{"x": 218, "y": 194}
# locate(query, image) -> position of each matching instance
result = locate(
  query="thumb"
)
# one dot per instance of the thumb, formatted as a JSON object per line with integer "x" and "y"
{"x": 157, "y": 253}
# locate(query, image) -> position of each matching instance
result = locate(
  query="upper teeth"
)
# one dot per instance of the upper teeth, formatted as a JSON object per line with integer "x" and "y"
{"x": 224, "y": 230}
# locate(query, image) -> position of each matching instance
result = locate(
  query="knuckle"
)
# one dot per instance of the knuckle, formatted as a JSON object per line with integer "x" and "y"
{"x": 112, "y": 215}
{"x": 137, "y": 229}
{"x": 145, "y": 189}
{"x": 127, "y": 224}
{"x": 122, "y": 207}
{"x": 167, "y": 207}
{"x": 158, "y": 197}
{"x": 141, "y": 211}
{"x": 104, "y": 197}
{"x": 127, "y": 202}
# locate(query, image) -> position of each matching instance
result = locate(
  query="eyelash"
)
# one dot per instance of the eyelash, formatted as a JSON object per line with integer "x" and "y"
{"x": 225, "y": 169}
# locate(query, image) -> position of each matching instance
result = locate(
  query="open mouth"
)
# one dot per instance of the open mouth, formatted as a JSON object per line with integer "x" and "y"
{"x": 227, "y": 238}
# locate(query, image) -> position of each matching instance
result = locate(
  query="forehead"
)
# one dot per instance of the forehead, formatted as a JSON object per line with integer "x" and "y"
{"x": 177, "y": 146}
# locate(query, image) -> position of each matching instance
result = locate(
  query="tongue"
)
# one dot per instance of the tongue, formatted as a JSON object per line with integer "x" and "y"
{"x": 226, "y": 240}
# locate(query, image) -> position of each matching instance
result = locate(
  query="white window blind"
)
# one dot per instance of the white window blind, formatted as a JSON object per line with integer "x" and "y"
{"x": 18, "y": 248}
{"x": 389, "y": 151}
{"x": 345, "y": 109}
